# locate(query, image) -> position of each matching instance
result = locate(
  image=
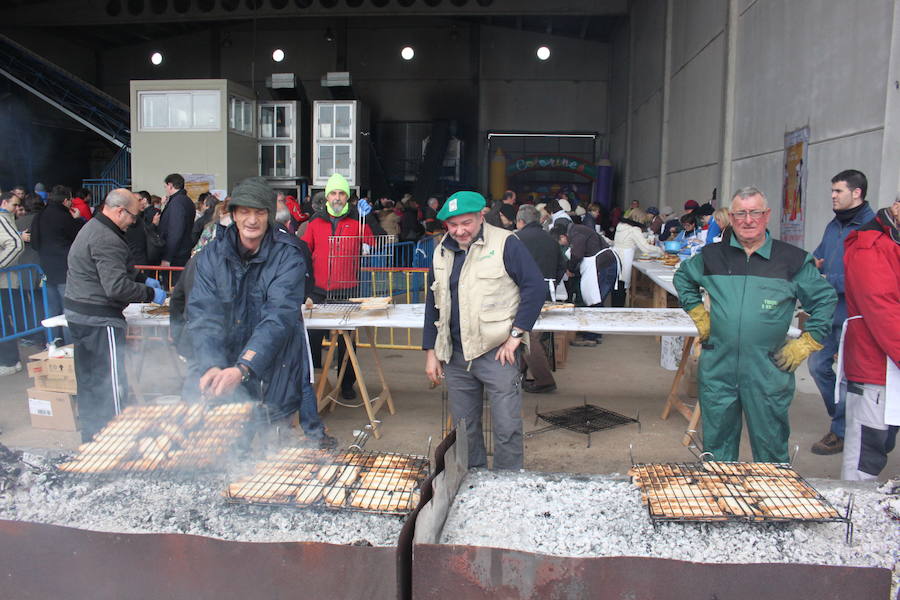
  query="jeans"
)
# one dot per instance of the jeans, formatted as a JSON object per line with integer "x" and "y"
{"x": 466, "y": 385}
{"x": 55, "y": 294}
{"x": 821, "y": 367}
{"x": 9, "y": 351}
{"x": 309, "y": 412}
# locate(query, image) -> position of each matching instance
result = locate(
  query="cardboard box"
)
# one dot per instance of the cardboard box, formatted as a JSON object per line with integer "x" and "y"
{"x": 52, "y": 374}
{"x": 52, "y": 410}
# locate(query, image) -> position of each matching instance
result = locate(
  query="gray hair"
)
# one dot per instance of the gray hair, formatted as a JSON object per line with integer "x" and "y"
{"x": 749, "y": 192}
{"x": 119, "y": 197}
{"x": 528, "y": 214}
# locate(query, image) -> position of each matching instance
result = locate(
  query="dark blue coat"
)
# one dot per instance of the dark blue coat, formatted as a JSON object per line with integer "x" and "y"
{"x": 249, "y": 312}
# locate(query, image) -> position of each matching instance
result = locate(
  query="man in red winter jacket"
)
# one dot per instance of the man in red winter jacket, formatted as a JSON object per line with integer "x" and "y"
{"x": 336, "y": 238}
{"x": 872, "y": 344}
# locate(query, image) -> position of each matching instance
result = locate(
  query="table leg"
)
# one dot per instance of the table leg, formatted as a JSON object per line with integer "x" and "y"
{"x": 371, "y": 408}
{"x": 323, "y": 398}
{"x": 675, "y": 400}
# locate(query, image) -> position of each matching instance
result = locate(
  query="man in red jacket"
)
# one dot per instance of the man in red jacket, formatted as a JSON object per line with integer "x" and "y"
{"x": 336, "y": 238}
{"x": 872, "y": 344}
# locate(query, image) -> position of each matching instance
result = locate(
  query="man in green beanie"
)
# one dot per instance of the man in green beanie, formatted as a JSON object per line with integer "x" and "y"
{"x": 335, "y": 237}
{"x": 244, "y": 316}
{"x": 485, "y": 293}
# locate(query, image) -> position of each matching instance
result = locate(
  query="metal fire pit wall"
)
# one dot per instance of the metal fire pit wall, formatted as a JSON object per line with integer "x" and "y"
{"x": 41, "y": 562}
{"x": 496, "y": 573}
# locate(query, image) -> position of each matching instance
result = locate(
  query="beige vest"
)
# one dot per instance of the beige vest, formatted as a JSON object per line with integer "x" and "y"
{"x": 488, "y": 297}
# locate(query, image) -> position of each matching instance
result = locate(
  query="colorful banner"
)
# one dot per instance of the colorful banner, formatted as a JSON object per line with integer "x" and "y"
{"x": 796, "y": 148}
{"x": 552, "y": 162}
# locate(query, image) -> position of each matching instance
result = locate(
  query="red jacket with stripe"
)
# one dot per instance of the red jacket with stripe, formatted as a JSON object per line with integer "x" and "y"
{"x": 872, "y": 282}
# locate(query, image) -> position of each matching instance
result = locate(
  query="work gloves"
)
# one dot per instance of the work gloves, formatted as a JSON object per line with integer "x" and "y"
{"x": 701, "y": 320}
{"x": 795, "y": 352}
{"x": 159, "y": 296}
{"x": 154, "y": 283}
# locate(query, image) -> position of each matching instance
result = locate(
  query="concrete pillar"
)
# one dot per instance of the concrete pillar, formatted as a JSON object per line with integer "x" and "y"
{"x": 629, "y": 115}
{"x": 890, "y": 149}
{"x": 664, "y": 121}
{"x": 727, "y": 150}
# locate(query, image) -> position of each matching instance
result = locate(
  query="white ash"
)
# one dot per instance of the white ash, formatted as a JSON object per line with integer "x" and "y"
{"x": 574, "y": 515}
{"x": 196, "y": 507}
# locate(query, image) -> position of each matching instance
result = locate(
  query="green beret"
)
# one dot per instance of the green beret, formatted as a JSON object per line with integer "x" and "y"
{"x": 254, "y": 192}
{"x": 461, "y": 203}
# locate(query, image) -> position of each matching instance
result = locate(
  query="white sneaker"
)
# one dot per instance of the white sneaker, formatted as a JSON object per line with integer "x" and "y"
{"x": 11, "y": 370}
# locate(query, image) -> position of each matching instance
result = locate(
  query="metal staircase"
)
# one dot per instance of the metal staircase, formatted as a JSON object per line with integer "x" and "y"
{"x": 75, "y": 97}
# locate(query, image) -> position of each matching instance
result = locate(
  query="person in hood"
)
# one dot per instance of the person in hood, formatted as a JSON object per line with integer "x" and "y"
{"x": 244, "y": 315}
{"x": 82, "y": 201}
{"x": 336, "y": 237}
{"x": 872, "y": 344}
{"x": 851, "y": 211}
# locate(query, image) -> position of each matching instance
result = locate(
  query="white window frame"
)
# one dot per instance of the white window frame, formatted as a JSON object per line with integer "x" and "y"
{"x": 191, "y": 93}
{"x": 233, "y": 101}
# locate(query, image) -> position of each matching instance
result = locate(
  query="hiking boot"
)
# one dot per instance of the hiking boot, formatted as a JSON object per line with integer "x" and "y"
{"x": 533, "y": 388}
{"x": 830, "y": 444}
{"x": 11, "y": 369}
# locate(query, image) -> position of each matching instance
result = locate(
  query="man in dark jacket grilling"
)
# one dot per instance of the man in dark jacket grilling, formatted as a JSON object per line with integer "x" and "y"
{"x": 244, "y": 314}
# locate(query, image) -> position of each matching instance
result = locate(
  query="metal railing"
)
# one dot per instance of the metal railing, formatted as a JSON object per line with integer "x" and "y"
{"x": 406, "y": 286}
{"x": 23, "y": 302}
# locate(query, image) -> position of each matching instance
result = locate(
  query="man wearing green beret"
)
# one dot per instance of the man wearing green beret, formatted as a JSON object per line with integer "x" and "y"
{"x": 244, "y": 318}
{"x": 485, "y": 293}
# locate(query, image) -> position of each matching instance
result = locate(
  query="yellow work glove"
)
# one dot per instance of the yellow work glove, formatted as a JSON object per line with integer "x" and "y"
{"x": 795, "y": 352}
{"x": 701, "y": 320}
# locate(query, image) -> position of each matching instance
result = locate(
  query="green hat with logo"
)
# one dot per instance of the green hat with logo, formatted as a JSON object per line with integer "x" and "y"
{"x": 461, "y": 203}
{"x": 337, "y": 182}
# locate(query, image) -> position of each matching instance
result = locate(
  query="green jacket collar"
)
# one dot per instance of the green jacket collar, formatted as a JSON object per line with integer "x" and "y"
{"x": 765, "y": 250}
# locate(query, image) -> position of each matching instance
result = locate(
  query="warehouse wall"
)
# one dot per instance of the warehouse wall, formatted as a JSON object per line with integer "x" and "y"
{"x": 799, "y": 62}
{"x": 807, "y": 62}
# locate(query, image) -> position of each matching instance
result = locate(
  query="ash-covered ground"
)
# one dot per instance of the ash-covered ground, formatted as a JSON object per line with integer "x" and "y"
{"x": 31, "y": 490}
{"x": 570, "y": 515}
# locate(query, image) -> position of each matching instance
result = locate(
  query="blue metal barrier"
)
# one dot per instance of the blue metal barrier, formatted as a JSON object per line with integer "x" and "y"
{"x": 23, "y": 302}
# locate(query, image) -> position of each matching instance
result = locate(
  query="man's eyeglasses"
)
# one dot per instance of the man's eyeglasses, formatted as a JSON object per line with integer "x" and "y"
{"x": 742, "y": 215}
{"x": 131, "y": 214}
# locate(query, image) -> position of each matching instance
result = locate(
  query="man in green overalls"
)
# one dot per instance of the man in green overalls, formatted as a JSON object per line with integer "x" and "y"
{"x": 753, "y": 283}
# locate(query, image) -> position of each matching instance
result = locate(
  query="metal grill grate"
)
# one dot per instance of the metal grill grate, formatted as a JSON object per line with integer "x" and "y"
{"x": 385, "y": 483}
{"x": 157, "y": 439}
{"x": 731, "y": 491}
{"x": 585, "y": 419}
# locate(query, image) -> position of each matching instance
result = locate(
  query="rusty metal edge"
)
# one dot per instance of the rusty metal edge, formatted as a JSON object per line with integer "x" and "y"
{"x": 405, "y": 541}
{"x": 40, "y": 561}
{"x": 496, "y": 573}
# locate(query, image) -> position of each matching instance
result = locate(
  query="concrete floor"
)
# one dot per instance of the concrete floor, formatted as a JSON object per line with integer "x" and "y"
{"x": 622, "y": 375}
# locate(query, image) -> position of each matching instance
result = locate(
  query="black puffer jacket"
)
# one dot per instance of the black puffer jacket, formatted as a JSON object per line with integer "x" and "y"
{"x": 546, "y": 251}
{"x": 247, "y": 310}
{"x": 52, "y": 232}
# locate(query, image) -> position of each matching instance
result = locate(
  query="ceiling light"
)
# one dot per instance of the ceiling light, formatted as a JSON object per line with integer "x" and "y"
{"x": 543, "y": 53}
{"x": 156, "y": 58}
{"x": 278, "y": 55}
{"x": 407, "y": 53}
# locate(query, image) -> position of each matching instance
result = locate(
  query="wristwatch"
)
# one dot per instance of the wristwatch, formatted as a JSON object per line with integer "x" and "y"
{"x": 516, "y": 333}
{"x": 245, "y": 372}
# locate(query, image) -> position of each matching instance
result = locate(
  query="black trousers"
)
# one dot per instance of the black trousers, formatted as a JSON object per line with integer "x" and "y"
{"x": 100, "y": 373}
{"x": 315, "y": 342}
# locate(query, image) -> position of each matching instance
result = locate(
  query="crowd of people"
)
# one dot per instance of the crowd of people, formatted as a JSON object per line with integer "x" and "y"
{"x": 252, "y": 259}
